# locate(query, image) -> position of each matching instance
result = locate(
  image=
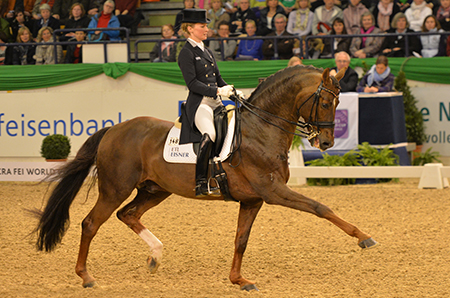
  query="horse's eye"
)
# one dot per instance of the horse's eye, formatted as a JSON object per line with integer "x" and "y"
{"x": 325, "y": 105}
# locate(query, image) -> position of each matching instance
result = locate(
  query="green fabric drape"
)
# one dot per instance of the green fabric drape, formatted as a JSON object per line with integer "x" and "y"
{"x": 242, "y": 74}
{"x": 22, "y": 77}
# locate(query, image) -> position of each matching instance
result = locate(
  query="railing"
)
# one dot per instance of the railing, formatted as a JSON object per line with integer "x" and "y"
{"x": 406, "y": 35}
{"x": 104, "y": 42}
{"x": 220, "y": 39}
{"x": 303, "y": 43}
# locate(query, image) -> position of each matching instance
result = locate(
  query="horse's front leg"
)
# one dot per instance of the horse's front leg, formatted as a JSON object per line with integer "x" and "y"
{"x": 247, "y": 215}
{"x": 284, "y": 196}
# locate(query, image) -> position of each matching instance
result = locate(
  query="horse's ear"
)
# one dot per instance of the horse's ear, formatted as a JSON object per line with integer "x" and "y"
{"x": 341, "y": 73}
{"x": 326, "y": 75}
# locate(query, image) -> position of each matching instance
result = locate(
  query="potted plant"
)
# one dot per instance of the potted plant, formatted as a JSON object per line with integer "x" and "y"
{"x": 55, "y": 147}
{"x": 422, "y": 158}
{"x": 415, "y": 130}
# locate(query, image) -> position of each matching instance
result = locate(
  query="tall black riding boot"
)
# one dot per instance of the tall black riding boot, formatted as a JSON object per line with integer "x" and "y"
{"x": 201, "y": 170}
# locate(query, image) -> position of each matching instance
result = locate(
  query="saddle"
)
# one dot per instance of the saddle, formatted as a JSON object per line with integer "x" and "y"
{"x": 218, "y": 174}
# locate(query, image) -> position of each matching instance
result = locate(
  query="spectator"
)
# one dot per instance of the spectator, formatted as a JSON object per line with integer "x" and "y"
{"x": 62, "y": 9}
{"x": 352, "y": 16}
{"x": 267, "y": 14}
{"x": 94, "y": 7}
{"x": 366, "y": 46}
{"x": 241, "y": 16}
{"x": 188, "y": 4}
{"x": 77, "y": 19}
{"x": 229, "y": 46}
{"x": 295, "y": 61}
{"x": 340, "y": 44}
{"x": 300, "y": 20}
{"x": 350, "y": 80}
{"x": 443, "y": 15}
{"x": 448, "y": 46}
{"x": 23, "y": 54}
{"x": 378, "y": 78}
{"x": 37, "y": 14}
{"x": 216, "y": 14}
{"x": 250, "y": 49}
{"x": 403, "y": 5}
{"x": 26, "y": 6}
{"x": 288, "y": 5}
{"x": 5, "y": 27}
{"x": 3, "y": 48}
{"x": 258, "y": 5}
{"x": 46, "y": 20}
{"x": 432, "y": 45}
{"x": 417, "y": 13}
{"x": 105, "y": 19}
{"x": 126, "y": 13}
{"x": 324, "y": 16}
{"x": 384, "y": 13}
{"x": 284, "y": 46}
{"x": 168, "y": 48}
{"x": 45, "y": 54}
{"x": 74, "y": 54}
{"x": 19, "y": 21}
{"x": 394, "y": 46}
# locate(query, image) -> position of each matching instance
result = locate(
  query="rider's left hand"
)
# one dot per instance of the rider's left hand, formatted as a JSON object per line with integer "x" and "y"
{"x": 240, "y": 94}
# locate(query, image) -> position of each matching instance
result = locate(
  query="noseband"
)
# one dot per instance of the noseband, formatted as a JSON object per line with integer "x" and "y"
{"x": 305, "y": 129}
{"x": 311, "y": 132}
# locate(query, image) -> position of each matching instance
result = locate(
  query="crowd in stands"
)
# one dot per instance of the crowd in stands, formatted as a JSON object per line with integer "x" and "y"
{"x": 32, "y": 22}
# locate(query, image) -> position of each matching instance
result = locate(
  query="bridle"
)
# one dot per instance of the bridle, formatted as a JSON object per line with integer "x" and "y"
{"x": 305, "y": 129}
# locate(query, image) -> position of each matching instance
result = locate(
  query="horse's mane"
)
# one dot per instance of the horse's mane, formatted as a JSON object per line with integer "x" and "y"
{"x": 280, "y": 76}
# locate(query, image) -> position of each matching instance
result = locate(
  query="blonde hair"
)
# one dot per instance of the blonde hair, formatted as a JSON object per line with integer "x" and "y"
{"x": 294, "y": 61}
{"x": 20, "y": 32}
{"x": 41, "y": 31}
{"x": 184, "y": 27}
{"x": 297, "y": 5}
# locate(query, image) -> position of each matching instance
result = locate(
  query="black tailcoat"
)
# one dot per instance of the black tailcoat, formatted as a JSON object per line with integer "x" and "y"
{"x": 202, "y": 78}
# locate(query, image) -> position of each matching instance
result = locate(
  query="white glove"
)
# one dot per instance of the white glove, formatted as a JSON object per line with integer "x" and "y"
{"x": 240, "y": 94}
{"x": 226, "y": 91}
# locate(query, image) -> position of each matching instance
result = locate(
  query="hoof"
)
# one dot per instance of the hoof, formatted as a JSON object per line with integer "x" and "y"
{"x": 249, "y": 287}
{"x": 90, "y": 284}
{"x": 152, "y": 265}
{"x": 368, "y": 243}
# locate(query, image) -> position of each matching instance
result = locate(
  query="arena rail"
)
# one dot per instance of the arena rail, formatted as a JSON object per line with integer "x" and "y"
{"x": 432, "y": 175}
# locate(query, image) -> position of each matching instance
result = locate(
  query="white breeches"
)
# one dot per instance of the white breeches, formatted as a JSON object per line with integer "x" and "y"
{"x": 204, "y": 120}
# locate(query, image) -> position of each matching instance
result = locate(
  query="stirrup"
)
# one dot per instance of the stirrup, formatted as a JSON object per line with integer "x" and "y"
{"x": 204, "y": 189}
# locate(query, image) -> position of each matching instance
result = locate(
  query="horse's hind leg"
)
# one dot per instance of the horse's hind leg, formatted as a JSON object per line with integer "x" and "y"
{"x": 90, "y": 225}
{"x": 131, "y": 215}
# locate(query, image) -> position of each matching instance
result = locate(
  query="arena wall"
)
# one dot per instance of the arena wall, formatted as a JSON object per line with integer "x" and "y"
{"x": 79, "y": 109}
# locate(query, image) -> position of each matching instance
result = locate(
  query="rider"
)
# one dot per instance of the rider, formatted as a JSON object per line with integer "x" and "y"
{"x": 206, "y": 87}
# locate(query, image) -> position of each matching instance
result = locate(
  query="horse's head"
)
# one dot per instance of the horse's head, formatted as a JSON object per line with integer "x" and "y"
{"x": 319, "y": 110}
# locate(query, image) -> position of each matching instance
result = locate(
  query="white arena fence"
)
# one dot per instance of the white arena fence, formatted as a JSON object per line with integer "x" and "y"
{"x": 432, "y": 175}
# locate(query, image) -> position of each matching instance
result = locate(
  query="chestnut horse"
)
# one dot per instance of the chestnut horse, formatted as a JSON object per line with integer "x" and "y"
{"x": 129, "y": 156}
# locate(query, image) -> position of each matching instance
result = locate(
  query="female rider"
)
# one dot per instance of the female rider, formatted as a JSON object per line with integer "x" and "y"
{"x": 206, "y": 87}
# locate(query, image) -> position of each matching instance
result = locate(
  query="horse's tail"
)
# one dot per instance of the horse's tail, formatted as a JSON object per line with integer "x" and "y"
{"x": 54, "y": 220}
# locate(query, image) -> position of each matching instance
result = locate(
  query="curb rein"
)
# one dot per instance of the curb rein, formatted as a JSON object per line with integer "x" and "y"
{"x": 306, "y": 129}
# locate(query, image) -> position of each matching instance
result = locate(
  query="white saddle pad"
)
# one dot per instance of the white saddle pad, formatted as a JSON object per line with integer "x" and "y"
{"x": 176, "y": 153}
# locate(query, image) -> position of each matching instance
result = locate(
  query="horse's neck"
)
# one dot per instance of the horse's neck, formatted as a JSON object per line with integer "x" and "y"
{"x": 259, "y": 131}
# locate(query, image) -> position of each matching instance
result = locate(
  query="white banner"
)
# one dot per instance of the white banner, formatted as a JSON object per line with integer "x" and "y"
{"x": 27, "y": 171}
{"x": 346, "y": 123}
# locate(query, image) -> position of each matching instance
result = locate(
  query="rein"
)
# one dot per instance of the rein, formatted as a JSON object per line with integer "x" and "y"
{"x": 306, "y": 128}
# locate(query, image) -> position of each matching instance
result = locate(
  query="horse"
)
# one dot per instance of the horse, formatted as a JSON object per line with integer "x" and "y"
{"x": 129, "y": 156}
